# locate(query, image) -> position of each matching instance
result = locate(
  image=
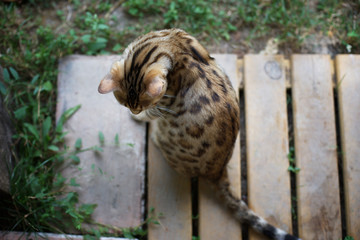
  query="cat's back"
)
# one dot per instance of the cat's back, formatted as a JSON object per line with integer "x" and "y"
{"x": 198, "y": 139}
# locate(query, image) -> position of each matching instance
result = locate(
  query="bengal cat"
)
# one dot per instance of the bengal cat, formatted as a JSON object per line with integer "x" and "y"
{"x": 169, "y": 77}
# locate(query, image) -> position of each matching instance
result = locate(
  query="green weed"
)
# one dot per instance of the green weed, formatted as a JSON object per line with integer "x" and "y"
{"x": 29, "y": 56}
{"x": 294, "y": 21}
{"x": 208, "y": 18}
{"x": 96, "y": 34}
{"x": 291, "y": 22}
{"x": 291, "y": 157}
{"x": 139, "y": 8}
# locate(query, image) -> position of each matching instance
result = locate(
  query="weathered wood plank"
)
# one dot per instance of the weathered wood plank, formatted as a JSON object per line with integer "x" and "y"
{"x": 267, "y": 140}
{"x": 170, "y": 195}
{"x": 215, "y": 221}
{"x": 114, "y": 178}
{"x": 315, "y": 147}
{"x": 348, "y": 85}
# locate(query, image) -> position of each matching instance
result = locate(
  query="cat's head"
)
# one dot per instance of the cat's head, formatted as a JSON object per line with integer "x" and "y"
{"x": 135, "y": 91}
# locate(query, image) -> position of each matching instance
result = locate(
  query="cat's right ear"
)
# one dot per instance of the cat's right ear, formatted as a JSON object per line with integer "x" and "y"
{"x": 111, "y": 82}
{"x": 108, "y": 84}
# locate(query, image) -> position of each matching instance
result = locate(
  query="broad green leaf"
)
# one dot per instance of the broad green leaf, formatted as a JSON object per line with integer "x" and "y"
{"x": 86, "y": 38}
{"x": 54, "y": 148}
{"x": 71, "y": 197}
{"x": 37, "y": 153}
{"x": 156, "y": 222}
{"x": 127, "y": 233}
{"x": 96, "y": 46}
{"x": 103, "y": 26}
{"x": 101, "y": 40}
{"x": 68, "y": 113}
{"x": 78, "y": 144}
{"x": 293, "y": 169}
{"x": 231, "y": 27}
{"x": 46, "y": 126}
{"x": 35, "y": 185}
{"x": 2, "y": 89}
{"x": 36, "y": 90}
{"x": 89, "y": 237}
{"x": 76, "y": 159}
{"x": 97, "y": 149}
{"x": 6, "y": 75}
{"x": 73, "y": 182}
{"x": 130, "y": 144}
{"x": 59, "y": 180}
{"x": 32, "y": 129}
{"x": 88, "y": 209}
{"x": 117, "y": 47}
{"x": 117, "y": 139}
{"x": 40, "y": 195}
{"x": 14, "y": 73}
{"x": 20, "y": 113}
{"x": 353, "y": 34}
{"x": 101, "y": 138}
{"x": 47, "y": 86}
{"x": 35, "y": 78}
{"x": 65, "y": 116}
{"x": 59, "y": 137}
{"x": 133, "y": 11}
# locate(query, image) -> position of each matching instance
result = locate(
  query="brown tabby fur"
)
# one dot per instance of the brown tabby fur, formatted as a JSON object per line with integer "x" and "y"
{"x": 168, "y": 77}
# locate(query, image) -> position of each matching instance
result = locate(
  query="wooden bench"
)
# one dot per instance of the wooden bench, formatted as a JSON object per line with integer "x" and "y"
{"x": 329, "y": 177}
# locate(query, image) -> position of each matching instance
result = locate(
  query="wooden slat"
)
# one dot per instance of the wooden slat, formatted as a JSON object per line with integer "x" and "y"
{"x": 348, "y": 85}
{"x": 267, "y": 140}
{"x": 315, "y": 148}
{"x": 169, "y": 193}
{"x": 215, "y": 221}
{"x": 285, "y": 64}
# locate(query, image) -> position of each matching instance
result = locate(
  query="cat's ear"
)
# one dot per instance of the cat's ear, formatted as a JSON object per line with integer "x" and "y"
{"x": 155, "y": 84}
{"x": 155, "y": 87}
{"x": 108, "y": 84}
{"x": 111, "y": 81}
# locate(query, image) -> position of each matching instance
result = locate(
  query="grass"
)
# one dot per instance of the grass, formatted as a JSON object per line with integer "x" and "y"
{"x": 35, "y": 34}
{"x": 294, "y": 21}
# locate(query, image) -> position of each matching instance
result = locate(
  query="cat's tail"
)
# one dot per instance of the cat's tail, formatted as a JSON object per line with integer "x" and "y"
{"x": 246, "y": 215}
